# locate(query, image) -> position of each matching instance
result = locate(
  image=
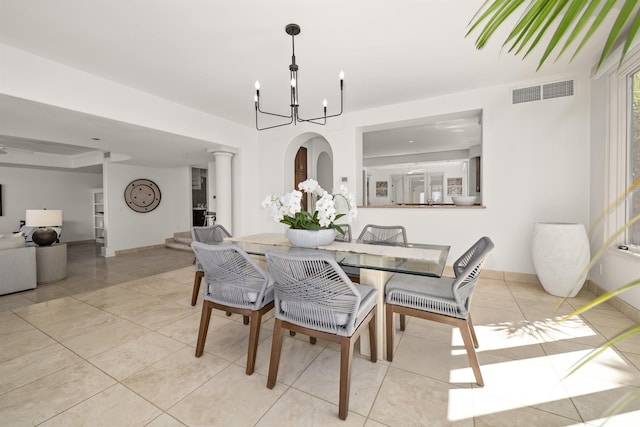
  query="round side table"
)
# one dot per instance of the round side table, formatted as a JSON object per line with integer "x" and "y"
{"x": 51, "y": 263}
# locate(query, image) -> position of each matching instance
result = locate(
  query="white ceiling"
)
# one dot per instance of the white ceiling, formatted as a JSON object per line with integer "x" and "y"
{"x": 207, "y": 54}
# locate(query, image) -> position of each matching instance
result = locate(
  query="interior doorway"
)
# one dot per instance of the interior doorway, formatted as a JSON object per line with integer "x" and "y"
{"x": 300, "y": 173}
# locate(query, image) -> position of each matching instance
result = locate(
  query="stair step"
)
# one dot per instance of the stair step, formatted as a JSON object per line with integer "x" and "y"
{"x": 185, "y": 240}
{"x": 178, "y": 245}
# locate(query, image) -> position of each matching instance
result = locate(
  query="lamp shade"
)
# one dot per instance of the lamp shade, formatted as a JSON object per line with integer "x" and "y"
{"x": 43, "y": 218}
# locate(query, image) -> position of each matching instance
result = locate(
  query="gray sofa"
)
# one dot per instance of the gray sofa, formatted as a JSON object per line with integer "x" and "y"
{"x": 17, "y": 264}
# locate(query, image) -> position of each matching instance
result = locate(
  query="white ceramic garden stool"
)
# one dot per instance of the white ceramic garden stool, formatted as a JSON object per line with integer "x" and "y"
{"x": 560, "y": 255}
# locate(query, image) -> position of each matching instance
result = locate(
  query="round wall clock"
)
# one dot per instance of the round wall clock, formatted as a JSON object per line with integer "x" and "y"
{"x": 142, "y": 195}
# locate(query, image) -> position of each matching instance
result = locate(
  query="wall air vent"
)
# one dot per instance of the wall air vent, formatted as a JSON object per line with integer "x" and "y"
{"x": 556, "y": 90}
{"x": 526, "y": 94}
{"x": 547, "y": 91}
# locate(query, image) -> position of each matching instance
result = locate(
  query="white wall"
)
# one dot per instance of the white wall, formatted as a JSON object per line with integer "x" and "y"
{"x": 39, "y": 188}
{"x": 535, "y": 168}
{"x": 127, "y": 229}
{"x": 31, "y": 77}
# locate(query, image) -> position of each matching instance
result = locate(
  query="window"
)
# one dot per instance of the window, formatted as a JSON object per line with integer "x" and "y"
{"x": 633, "y": 150}
{"x": 624, "y": 150}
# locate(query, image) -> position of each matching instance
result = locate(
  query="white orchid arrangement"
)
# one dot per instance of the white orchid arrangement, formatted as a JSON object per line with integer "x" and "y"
{"x": 287, "y": 208}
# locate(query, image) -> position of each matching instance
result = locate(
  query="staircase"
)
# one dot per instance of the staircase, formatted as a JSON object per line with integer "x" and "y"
{"x": 180, "y": 241}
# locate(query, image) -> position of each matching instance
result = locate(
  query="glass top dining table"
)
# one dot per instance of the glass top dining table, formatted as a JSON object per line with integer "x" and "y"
{"x": 377, "y": 263}
{"x": 411, "y": 258}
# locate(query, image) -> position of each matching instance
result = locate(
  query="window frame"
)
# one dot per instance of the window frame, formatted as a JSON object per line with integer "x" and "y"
{"x": 620, "y": 118}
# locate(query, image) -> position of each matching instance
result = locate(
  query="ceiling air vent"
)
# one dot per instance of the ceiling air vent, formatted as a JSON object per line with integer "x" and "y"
{"x": 526, "y": 94}
{"x": 556, "y": 90}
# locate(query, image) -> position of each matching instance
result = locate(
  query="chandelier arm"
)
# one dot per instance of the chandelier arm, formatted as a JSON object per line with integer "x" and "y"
{"x": 274, "y": 126}
{"x": 290, "y": 116}
{"x": 325, "y": 117}
{"x": 324, "y": 122}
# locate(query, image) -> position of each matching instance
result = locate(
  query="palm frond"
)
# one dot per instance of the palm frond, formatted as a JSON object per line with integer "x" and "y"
{"x": 569, "y": 18}
{"x": 617, "y": 29}
{"x": 582, "y": 23}
{"x": 541, "y": 15}
{"x": 599, "y": 350}
{"x": 602, "y": 298}
{"x": 613, "y": 205}
{"x": 606, "y": 9}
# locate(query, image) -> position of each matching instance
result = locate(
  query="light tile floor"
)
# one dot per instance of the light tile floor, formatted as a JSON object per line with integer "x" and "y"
{"x": 114, "y": 345}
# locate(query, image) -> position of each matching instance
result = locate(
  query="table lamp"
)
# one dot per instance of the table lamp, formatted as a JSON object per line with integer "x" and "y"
{"x": 43, "y": 219}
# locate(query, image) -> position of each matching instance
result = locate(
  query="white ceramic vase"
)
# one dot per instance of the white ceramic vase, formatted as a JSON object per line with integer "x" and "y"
{"x": 311, "y": 238}
{"x": 560, "y": 254}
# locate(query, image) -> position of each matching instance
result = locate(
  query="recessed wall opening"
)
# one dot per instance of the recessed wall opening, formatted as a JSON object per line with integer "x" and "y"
{"x": 426, "y": 161}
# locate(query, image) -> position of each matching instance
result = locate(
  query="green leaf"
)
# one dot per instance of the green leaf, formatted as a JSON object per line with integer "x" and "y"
{"x": 479, "y": 18}
{"x": 563, "y": 27}
{"x": 602, "y": 298}
{"x": 617, "y": 28}
{"x": 584, "y": 19}
{"x": 596, "y": 23}
{"x": 612, "y": 206}
{"x": 539, "y": 15}
{"x": 524, "y": 24}
{"x": 504, "y": 11}
{"x": 536, "y": 19}
{"x": 550, "y": 18}
{"x": 610, "y": 343}
{"x": 633, "y": 32}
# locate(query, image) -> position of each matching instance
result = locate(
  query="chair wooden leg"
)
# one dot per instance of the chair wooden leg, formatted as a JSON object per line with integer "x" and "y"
{"x": 204, "y": 327}
{"x": 403, "y": 322}
{"x": 196, "y": 287}
{"x": 254, "y": 338}
{"x": 372, "y": 337}
{"x": 471, "y": 351}
{"x": 245, "y": 320}
{"x": 346, "y": 356}
{"x": 276, "y": 348}
{"x": 390, "y": 331}
{"x": 473, "y": 332}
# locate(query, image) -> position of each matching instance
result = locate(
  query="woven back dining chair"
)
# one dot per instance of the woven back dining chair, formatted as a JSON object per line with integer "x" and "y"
{"x": 380, "y": 234}
{"x": 445, "y": 300}
{"x": 210, "y": 235}
{"x": 234, "y": 283}
{"x": 383, "y": 234}
{"x": 346, "y": 237}
{"x": 313, "y": 296}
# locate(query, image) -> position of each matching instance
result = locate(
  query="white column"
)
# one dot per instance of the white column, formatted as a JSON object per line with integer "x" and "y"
{"x": 223, "y": 189}
{"x": 211, "y": 187}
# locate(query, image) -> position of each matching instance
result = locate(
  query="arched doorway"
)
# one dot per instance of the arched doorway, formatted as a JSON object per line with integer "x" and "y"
{"x": 319, "y": 161}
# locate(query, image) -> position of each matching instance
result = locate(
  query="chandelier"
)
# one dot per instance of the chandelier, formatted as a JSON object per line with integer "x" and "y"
{"x": 294, "y": 115}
